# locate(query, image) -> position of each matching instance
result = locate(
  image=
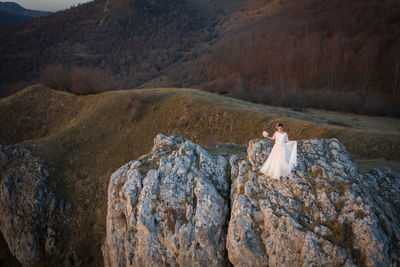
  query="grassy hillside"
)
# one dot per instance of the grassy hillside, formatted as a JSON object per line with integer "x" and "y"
{"x": 86, "y": 138}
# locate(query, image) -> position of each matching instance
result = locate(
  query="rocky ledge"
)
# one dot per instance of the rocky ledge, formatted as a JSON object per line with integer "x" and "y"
{"x": 182, "y": 206}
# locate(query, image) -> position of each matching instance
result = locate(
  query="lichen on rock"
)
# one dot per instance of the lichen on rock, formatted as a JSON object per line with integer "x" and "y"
{"x": 27, "y": 206}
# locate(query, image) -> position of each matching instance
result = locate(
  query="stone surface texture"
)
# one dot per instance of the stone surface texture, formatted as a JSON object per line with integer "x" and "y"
{"x": 27, "y": 206}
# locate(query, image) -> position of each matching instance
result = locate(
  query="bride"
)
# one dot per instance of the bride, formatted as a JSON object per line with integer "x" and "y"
{"x": 283, "y": 156}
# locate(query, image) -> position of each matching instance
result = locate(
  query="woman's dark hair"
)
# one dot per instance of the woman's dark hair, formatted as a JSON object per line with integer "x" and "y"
{"x": 279, "y": 124}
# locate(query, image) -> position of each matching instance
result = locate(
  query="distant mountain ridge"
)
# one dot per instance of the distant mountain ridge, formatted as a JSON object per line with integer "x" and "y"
{"x": 11, "y": 12}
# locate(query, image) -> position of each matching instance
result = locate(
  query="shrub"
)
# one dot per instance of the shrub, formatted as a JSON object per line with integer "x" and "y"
{"x": 346, "y": 101}
{"x": 80, "y": 80}
{"x": 342, "y": 234}
{"x": 338, "y": 123}
{"x": 91, "y": 81}
{"x": 56, "y": 77}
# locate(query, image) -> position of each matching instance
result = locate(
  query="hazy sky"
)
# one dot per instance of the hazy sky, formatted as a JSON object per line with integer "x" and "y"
{"x": 49, "y": 5}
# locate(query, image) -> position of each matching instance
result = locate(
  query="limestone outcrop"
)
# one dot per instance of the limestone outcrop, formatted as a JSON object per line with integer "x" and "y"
{"x": 181, "y": 205}
{"x": 325, "y": 214}
{"x": 169, "y": 207}
{"x": 27, "y": 206}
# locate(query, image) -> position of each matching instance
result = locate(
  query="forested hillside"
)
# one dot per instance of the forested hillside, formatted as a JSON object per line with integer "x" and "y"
{"x": 285, "y": 53}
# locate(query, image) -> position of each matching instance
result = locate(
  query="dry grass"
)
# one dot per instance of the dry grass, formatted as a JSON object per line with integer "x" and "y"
{"x": 86, "y": 138}
{"x": 342, "y": 234}
{"x": 340, "y": 187}
{"x": 365, "y": 165}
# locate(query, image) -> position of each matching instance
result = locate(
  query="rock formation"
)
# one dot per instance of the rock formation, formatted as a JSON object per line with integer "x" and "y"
{"x": 171, "y": 207}
{"x": 168, "y": 208}
{"x": 180, "y": 205}
{"x": 27, "y": 206}
{"x": 325, "y": 214}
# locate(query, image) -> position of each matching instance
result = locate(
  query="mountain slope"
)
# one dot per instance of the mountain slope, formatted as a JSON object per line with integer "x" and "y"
{"x": 83, "y": 139}
{"x": 11, "y": 12}
{"x": 133, "y": 38}
{"x": 285, "y": 53}
{"x": 7, "y": 18}
{"x": 302, "y": 46}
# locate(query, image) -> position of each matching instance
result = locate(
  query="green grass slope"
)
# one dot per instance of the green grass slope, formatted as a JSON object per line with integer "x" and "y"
{"x": 86, "y": 138}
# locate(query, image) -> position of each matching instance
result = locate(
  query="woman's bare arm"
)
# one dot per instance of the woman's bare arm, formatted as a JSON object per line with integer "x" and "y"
{"x": 271, "y": 138}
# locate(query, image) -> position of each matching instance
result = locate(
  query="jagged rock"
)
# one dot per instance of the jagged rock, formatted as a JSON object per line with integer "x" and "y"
{"x": 382, "y": 185}
{"x": 325, "y": 214}
{"x": 169, "y": 207}
{"x": 27, "y": 206}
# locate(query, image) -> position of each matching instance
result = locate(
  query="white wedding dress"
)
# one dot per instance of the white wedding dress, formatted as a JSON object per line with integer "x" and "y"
{"x": 283, "y": 157}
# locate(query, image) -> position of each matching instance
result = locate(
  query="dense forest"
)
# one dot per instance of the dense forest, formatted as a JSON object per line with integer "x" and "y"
{"x": 338, "y": 54}
{"x": 307, "y": 53}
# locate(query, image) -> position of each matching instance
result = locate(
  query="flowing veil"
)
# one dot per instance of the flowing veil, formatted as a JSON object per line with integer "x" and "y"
{"x": 291, "y": 148}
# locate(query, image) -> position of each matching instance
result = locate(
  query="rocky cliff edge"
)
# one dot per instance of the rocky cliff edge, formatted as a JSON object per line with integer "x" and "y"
{"x": 179, "y": 205}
